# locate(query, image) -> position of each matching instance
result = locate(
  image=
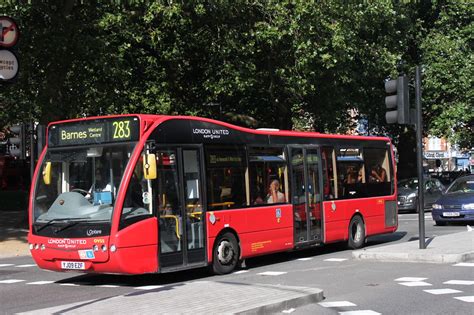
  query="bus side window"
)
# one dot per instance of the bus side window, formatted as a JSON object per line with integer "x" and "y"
{"x": 378, "y": 172}
{"x": 329, "y": 174}
{"x": 226, "y": 174}
{"x": 267, "y": 167}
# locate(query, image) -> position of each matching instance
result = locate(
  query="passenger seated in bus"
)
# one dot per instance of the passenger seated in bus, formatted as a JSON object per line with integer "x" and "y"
{"x": 378, "y": 174}
{"x": 274, "y": 193}
{"x": 352, "y": 176}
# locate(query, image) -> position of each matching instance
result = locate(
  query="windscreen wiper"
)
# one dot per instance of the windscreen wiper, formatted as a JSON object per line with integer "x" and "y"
{"x": 57, "y": 220}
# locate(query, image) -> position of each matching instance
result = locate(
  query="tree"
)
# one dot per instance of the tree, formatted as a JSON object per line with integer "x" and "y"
{"x": 448, "y": 63}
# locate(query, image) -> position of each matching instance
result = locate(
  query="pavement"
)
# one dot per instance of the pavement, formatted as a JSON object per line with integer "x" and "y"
{"x": 253, "y": 298}
{"x": 445, "y": 249}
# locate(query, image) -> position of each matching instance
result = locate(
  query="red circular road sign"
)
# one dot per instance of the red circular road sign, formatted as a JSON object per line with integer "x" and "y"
{"x": 9, "y": 32}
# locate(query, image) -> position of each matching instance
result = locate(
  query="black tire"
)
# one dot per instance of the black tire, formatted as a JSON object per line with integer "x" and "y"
{"x": 356, "y": 233}
{"x": 440, "y": 223}
{"x": 225, "y": 254}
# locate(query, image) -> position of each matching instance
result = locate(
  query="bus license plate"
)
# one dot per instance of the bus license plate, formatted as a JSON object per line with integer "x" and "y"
{"x": 73, "y": 265}
{"x": 451, "y": 214}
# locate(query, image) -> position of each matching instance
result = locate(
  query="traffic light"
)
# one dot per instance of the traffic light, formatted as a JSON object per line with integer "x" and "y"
{"x": 399, "y": 102}
{"x": 18, "y": 140}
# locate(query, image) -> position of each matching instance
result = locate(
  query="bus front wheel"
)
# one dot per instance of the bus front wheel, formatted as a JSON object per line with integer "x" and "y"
{"x": 226, "y": 254}
{"x": 356, "y": 233}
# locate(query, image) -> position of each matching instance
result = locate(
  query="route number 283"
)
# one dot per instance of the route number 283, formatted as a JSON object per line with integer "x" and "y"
{"x": 121, "y": 129}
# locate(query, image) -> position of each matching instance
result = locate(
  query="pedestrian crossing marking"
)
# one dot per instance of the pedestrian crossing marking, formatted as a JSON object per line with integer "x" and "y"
{"x": 442, "y": 291}
{"x": 361, "y": 312}
{"x": 25, "y": 266}
{"x": 291, "y": 310}
{"x": 5, "y": 265}
{"x": 460, "y": 282}
{"x": 10, "y": 281}
{"x": 415, "y": 284}
{"x": 272, "y": 273}
{"x": 40, "y": 282}
{"x": 409, "y": 279}
{"x": 337, "y": 304}
{"x": 240, "y": 271}
{"x": 148, "y": 287}
{"x": 469, "y": 299}
{"x": 464, "y": 265}
{"x": 335, "y": 259}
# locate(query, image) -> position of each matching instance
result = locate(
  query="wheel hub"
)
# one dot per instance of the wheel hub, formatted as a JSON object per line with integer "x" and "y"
{"x": 225, "y": 252}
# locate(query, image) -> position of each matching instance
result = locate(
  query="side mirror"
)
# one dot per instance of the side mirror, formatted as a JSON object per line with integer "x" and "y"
{"x": 149, "y": 166}
{"x": 47, "y": 173}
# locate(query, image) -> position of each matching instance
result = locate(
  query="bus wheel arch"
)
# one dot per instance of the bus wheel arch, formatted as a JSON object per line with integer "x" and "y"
{"x": 357, "y": 232}
{"x": 226, "y": 252}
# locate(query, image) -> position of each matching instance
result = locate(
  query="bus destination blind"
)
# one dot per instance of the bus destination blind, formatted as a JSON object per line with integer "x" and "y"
{"x": 94, "y": 132}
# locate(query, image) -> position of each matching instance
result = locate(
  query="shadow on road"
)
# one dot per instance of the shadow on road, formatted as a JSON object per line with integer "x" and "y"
{"x": 13, "y": 225}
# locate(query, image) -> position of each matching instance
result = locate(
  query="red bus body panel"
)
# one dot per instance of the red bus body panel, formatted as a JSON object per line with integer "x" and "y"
{"x": 260, "y": 230}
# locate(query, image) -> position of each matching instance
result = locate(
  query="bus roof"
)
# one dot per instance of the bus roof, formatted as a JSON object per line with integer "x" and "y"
{"x": 158, "y": 119}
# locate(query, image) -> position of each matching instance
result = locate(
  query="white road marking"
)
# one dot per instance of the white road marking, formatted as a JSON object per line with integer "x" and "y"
{"x": 464, "y": 265}
{"x": 335, "y": 259}
{"x": 108, "y": 286}
{"x": 361, "y": 312}
{"x": 9, "y": 281}
{"x": 272, "y": 273}
{"x": 291, "y": 310}
{"x": 25, "y": 266}
{"x": 240, "y": 271}
{"x": 337, "y": 304}
{"x": 40, "y": 282}
{"x": 415, "y": 284}
{"x": 149, "y": 287}
{"x": 408, "y": 279}
{"x": 69, "y": 284}
{"x": 5, "y": 265}
{"x": 469, "y": 299}
{"x": 305, "y": 258}
{"x": 442, "y": 291}
{"x": 460, "y": 282}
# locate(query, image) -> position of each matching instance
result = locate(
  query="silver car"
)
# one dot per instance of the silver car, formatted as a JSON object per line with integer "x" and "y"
{"x": 408, "y": 193}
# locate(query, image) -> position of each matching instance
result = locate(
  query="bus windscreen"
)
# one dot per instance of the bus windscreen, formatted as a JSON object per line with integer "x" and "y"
{"x": 98, "y": 131}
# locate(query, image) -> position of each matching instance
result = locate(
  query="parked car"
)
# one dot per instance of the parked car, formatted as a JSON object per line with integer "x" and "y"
{"x": 408, "y": 193}
{"x": 457, "y": 203}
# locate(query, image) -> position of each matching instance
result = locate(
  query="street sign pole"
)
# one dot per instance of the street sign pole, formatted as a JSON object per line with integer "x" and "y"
{"x": 419, "y": 155}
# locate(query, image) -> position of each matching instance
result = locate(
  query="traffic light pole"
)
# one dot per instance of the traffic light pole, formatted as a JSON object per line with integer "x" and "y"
{"x": 419, "y": 158}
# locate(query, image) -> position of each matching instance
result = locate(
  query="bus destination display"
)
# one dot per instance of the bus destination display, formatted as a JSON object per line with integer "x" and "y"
{"x": 94, "y": 132}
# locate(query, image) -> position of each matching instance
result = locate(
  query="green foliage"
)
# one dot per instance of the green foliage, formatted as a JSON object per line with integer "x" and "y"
{"x": 449, "y": 74}
{"x": 266, "y": 63}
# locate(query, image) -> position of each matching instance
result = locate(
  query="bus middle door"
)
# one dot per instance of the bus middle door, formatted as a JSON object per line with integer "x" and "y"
{"x": 180, "y": 211}
{"x": 306, "y": 194}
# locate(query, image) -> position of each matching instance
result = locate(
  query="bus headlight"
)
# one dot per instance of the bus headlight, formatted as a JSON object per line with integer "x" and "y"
{"x": 43, "y": 247}
{"x": 113, "y": 248}
{"x": 104, "y": 248}
{"x": 95, "y": 248}
{"x": 32, "y": 246}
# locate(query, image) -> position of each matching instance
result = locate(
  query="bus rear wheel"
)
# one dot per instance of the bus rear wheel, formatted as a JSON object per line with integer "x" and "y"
{"x": 356, "y": 233}
{"x": 226, "y": 254}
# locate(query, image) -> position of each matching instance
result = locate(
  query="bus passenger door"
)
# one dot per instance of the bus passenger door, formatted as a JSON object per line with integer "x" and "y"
{"x": 180, "y": 214}
{"x": 306, "y": 194}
